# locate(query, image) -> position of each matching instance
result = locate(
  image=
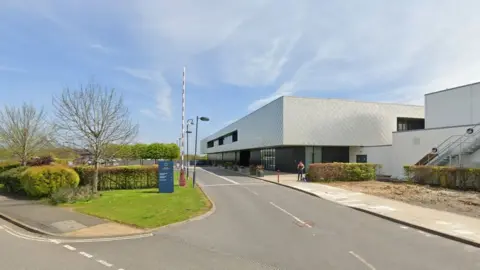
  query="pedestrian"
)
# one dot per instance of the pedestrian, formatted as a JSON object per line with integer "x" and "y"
{"x": 300, "y": 168}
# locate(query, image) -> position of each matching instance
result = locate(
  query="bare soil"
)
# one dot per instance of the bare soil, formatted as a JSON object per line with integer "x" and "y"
{"x": 459, "y": 202}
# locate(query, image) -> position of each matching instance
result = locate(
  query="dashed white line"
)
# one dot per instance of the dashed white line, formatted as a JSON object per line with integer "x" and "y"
{"x": 69, "y": 247}
{"x": 55, "y": 241}
{"x": 86, "y": 254}
{"x": 404, "y": 227}
{"x": 424, "y": 233}
{"x": 1, "y": 228}
{"x": 362, "y": 260}
{"x": 105, "y": 263}
{"x": 294, "y": 217}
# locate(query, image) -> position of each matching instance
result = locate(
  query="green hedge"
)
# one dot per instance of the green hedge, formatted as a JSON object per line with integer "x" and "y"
{"x": 327, "y": 172}
{"x": 11, "y": 180}
{"x": 5, "y": 166}
{"x": 444, "y": 176}
{"x": 43, "y": 181}
{"x": 120, "y": 177}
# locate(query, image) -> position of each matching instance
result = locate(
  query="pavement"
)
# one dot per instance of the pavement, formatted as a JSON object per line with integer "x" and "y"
{"x": 256, "y": 225}
{"x": 58, "y": 221}
{"x": 457, "y": 227}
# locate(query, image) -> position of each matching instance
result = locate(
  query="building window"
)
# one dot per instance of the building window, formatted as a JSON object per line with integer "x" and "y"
{"x": 404, "y": 124}
{"x": 220, "y": 141}
{"x": 235, "y": 136}
{"x": 268, "y": 158}
{"x": 210, "y": 144}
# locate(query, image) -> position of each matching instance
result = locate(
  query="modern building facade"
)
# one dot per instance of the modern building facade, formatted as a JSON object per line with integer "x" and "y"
{"x": 452, "y": 118}
{"x": 292, "y": 129}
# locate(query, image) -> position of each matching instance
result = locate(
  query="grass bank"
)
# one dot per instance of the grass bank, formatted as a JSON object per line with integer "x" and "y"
{"x": 146, "y": 208}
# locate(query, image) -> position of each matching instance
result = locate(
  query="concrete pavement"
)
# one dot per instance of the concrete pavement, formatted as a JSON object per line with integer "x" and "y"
{"x": 260, "y": 225}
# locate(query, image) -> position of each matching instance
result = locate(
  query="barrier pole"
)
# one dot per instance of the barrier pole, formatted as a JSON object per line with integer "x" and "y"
{"x": 278, "y": 176}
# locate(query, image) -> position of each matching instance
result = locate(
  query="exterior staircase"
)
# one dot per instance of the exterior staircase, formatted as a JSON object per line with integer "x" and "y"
{"x": 454, "y": 148}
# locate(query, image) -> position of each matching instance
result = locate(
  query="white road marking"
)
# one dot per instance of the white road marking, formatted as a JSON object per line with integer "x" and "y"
{"x": 356, "y": 205}
{"x": 424, "y": 233}
{"x": 1, "y": 228}
{"x": 382, "y": 207}
{"x": 105, "y": 263}
{"x": 441, "y": 222}
{"x": 243, "y": 184}
{"x": 362, "y": 260}
{"x": 69, "y": 247}
{"x": 58, "y": 241}
{"x": 404, "y": 227}
{"x": 86, "y": 254}
{"x": 462, "y": 232}
{"x": 224, "y": 178}
{"x": 294, "y": 217}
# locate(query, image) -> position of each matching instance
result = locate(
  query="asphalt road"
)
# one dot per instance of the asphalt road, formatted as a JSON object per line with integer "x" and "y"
{"x": 256, "y": 225}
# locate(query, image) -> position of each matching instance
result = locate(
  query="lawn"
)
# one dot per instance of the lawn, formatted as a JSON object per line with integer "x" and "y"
{"x": 146, "y": 208}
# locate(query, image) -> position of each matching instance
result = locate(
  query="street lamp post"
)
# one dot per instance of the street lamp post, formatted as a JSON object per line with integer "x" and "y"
{"x": 196, "y": 139}
{"x": 189, "y": 122}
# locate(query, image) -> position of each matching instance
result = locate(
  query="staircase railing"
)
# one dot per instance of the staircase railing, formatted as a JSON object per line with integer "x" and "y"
{"x": 458, "y": 143}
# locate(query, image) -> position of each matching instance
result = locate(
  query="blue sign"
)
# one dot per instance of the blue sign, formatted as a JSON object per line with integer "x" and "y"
{"x": 165, "y": 176}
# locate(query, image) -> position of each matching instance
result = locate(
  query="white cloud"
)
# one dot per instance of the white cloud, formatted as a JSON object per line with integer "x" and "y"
{"x": 392, "y": 51}
{"x": 162, "y": 92}
{"x": 12, "y": 69}
{"x": 100, "y": 47}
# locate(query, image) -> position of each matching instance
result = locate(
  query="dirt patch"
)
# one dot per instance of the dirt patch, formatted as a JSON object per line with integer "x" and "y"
{"x": 459, "y": 202}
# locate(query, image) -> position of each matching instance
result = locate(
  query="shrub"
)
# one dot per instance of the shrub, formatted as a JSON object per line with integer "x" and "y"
{"x": 7, "y": 165}
{"x": 341, "y": 172}
{"x": 120, "y": 177}
{"x": 42, "y": 181}
{"x": 41, "y": 161}
{"x": 11, "y": 180}
{"x": 444, "y": 176}
{"x": 71, "y": 195}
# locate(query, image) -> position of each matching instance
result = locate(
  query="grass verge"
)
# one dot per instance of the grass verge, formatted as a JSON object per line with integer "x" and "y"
{"x": 146, "y": 208}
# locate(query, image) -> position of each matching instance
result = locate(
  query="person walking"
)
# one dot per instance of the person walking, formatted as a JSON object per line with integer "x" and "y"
{"x": 300, "y": 168}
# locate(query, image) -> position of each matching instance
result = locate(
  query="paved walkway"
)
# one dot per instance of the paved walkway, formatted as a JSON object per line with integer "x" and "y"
{"x": 457, "y": 227}
{"x": 57, "y": 221}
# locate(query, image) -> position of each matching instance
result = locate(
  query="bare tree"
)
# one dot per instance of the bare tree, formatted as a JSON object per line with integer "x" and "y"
{"x": 24, "y": 131}
{"x": 93, "y": 118}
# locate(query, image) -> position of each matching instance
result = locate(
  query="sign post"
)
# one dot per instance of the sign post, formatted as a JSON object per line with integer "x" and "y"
{"x": 165, "y": 176}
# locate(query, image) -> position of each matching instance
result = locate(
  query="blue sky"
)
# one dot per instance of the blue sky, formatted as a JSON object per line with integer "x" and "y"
{"x": 239, "y": 54}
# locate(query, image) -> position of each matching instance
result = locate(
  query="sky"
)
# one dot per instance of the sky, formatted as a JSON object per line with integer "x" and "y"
{"x": 239, "y": 55}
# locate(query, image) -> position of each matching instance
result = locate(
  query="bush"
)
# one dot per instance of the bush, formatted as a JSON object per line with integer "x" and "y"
{"x": 7, "y": 165}
{"x": 444, "y": 176}
{"x": 41, "y": 161}
{"x": 120, "y": 177}
{"x": 11, "y": 180}
{"x": 327, "y": 172}
{"x": 42, "y": 181}
{"x": 71, "y": 195}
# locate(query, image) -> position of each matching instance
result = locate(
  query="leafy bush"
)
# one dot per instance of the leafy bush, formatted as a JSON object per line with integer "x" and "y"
{"x": 42, "y": 181}
{"x": 7, "y": 165}
{"x": 71, "y": 195}
{"x": 444, "y": 176}
{"x": 327, "y": 172}
{"x": 41, "y": 161}
{"x": 120, "y": 177}
{"x": 11, "y": 180}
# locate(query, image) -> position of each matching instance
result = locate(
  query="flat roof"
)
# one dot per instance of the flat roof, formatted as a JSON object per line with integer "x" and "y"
{"x": 453, "y": 88}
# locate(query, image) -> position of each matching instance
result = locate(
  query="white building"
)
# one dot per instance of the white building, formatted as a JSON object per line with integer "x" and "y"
{"x": 290, "y": 129}
{"x": 448, "y": 115}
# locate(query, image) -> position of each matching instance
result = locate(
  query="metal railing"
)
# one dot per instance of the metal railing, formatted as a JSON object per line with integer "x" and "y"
{"x": 448, "y": 149}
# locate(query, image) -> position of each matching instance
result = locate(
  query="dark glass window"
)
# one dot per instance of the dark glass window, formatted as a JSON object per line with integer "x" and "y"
{"x": 210, "y": 144}
{"x": 235, "y": 136}
{"x": 220, "y": 141}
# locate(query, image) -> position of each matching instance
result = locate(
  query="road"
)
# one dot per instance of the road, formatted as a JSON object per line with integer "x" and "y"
{"x": 256, "y": 225}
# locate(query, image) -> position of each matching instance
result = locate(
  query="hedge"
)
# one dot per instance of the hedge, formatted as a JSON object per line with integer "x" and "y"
{"x": 444, "y": 176}
{"x": 5, "y": 166}
{"x": 43, "y": 181}
{"x": 120, "y": 177}
{"x": 326, "y": 172}
{"x": 11, "y": 179}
